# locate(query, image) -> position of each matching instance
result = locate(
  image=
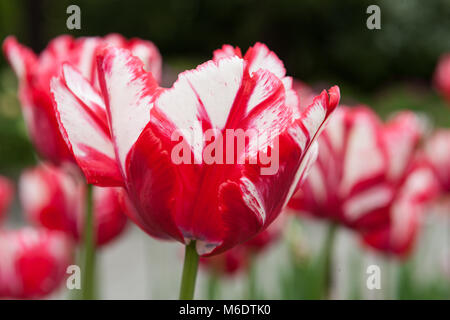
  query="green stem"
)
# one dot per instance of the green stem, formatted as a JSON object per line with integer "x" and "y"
{"x": 189, "y": 272}
{"x": 355, "y": 269}
{"x": 252, "y": 295}
{"x": 88, "y": 272}
{"x": 328, "y": 260}
{"x": 391, "y": 277}
{"x": 213, "y": 285}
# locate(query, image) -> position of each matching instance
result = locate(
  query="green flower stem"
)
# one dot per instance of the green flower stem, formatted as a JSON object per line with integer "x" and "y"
{"x": 251, "y": 284}
{"x": 189, "y": 272}
{"x": 88, "y": 271}
{"x": 328, "y": 260}
{"x": 213, "y": 285}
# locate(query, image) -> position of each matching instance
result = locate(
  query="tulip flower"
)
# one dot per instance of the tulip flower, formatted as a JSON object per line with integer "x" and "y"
{"x": 228, "y": 263}
{"x": 35, "y": 72}
{"x": 360, "y": 166}
{"x": 168, "y": 147}
{"x": 241, "y": 257}
{"x": 442, "y": 76}
{"x": 33, "y": 262}
{"x": 398, "y": 237}
{"x": 363, "y": 179}
{"x": 54, "y": 199}
{"x": 237, "y": 258}
{"x": 6, "y": 195}
{"x": 437, "y": 151}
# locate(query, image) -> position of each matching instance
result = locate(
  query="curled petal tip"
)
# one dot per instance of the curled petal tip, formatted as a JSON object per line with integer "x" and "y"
{"x": 8, "y": 44}
{"x": 19, "y": 57}
{"x": 334, "y": 97}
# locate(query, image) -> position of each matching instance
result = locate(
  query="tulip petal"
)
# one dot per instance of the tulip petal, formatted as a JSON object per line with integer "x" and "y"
{"x": 260, "y": 57}
{"x": 366, "y": 201}
{"x": 110, "y": 220}
{"x": 153, "y": 188}
{"x": 33, "y": 262}
{"x": 52, "y": 199}
{"x": 82, "y": 118}
{"x": 401, "y": 135}
{"x": 226, "y": 51}
{"x": 144, "y": 50}
{"x": 128, "y": 91}
{"x": 6, "y": 196}
{"x": 364, "y": 160}
{"x": 437, "y": 152}
{"x": 149, "y": 54}
{"x": 398, "y": 236}
{"x": 21, "y": 58}
{"x": 83, "y": 56}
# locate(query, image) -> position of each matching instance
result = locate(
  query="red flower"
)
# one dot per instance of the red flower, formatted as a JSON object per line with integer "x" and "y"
{"x": 366, "y": 177}
{"x": 33, "y": 262}
{"x": 34, "y": 74}
{"x": 437, "y": 151}
{"x": 228, "y": 263}
{"x": 54, "y": 199}
{"x": 217, "y": 204}
{"x": 442, "y": 76}
{"x": 406, "y": 212}
{"x": 238, "y": 258}
{"x": 264, "y": 239}
{"x": 6, "y": 196}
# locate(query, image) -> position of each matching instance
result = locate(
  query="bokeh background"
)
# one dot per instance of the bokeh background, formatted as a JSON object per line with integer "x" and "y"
{"x": 322, "y": 43}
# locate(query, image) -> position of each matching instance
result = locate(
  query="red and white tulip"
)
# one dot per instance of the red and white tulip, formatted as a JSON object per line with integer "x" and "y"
{"x": 367, "y": 177}
{"x": 35, "y": 72}
{"x": 218, "y": 205}
{"x": 437, "y": 151}
{"x": 54, "y": 199}
{"x": 406, "y": 212}
{"x": 33, "y": 262}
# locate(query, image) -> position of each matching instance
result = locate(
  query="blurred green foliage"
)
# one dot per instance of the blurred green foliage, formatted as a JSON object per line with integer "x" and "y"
{"x": 408, "y": 288}
{"x": 302, "y": 280}
{"x": 16, "y": 151}
{"x": 318, "y": 40}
